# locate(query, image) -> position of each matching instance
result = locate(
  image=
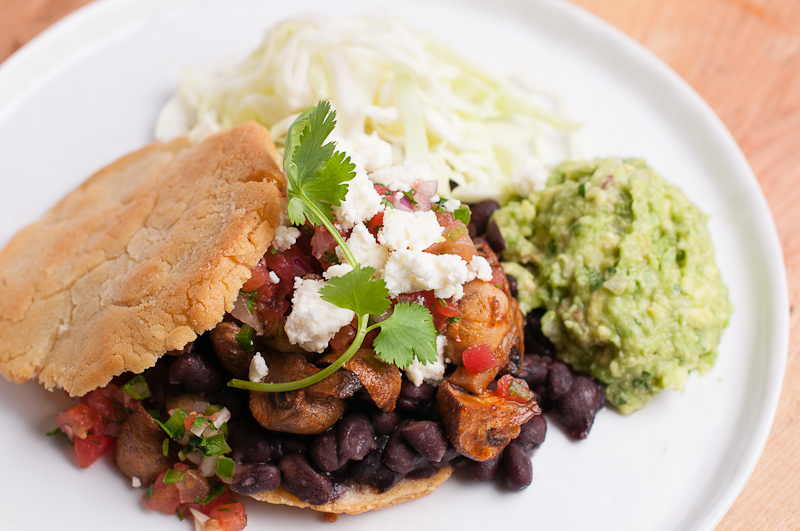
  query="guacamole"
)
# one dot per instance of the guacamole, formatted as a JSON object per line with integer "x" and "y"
{"x": 623, "y": 264}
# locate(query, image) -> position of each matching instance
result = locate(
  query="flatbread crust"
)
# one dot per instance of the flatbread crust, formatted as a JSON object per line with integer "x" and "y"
{"x": 363, "y": 498}
{"x": 141, "y": 258}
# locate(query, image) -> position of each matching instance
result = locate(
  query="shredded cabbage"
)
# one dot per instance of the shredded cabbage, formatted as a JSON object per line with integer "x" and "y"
{"x": 479, "y": 131}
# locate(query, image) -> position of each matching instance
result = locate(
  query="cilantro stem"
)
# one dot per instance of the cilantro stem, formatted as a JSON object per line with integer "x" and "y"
{"x": 331, "y": 229}
{"x": 311, "y": 380}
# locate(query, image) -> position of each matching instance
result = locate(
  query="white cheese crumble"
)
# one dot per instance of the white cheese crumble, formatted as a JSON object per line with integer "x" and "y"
{"x": 285, "y": 237}
{"x": 403, "y": 176}
{"x": 313, "y": 321}
{"x": 136, "y": 482}
{"x": 528, "y": 177}
{"x": 410, "y": 230}
{"x": 338, "y": 270}
{"x": 408, "y": 271}
{"x": 432, "y": 373}
{"x": 274, "y": 278}
{"x": 258, "y": 368}
{"x": 361, "y": 202}
{"x": 365, "y": 249}
{"x": 479, "y": 268}
{"x": 451, "y": 205}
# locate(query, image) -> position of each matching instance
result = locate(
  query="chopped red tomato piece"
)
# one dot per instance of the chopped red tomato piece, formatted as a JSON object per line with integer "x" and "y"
{"x": 375, "y": 224}
{"x": 90, "y": 448}
{"x": 231, "y": 516}
{"x": 258, "y": 277}
{"x": 514, "y": 389}
{"x": 442, "y": 310}
{"x": 478, "y": 359}
{"x": 79, "y": 422}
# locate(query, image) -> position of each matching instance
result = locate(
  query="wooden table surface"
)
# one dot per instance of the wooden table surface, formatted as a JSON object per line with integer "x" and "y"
{"x": 743, "y": 57}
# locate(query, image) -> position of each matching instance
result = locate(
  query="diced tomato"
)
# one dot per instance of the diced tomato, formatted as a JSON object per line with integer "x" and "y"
{"x": 478, "y": 359}
{"x": 375, "y": 224}
{"x": 498, "y": 275}
{"x": 514, "y": 389}
{"x": 222, "y": 499}
{"x": 442, "y": 310}
{"x": 180, "y": 496}
{"x": 90, "y": 448}
{"x": 258, "y": 277}
{"x": 323, "y": 245}
{"x": 231, "y": 516}
{"x": 343, "y": 338}
{"x": 272, "y": 310}
{"x": 163, "y": 497}
{"x": 79, "y": 421}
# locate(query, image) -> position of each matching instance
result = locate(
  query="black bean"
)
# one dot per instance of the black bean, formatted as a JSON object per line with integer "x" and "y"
{"x": 495, "y": 238}
{"x": 399, "y": 455}
{"x": 512, "y": 285}
{"x": 532, "y": 433}
{"x": 427, "y": 438}
{"x": 516, "y": 466}
{"x": 303, "y": 481}
{"x": 384, "y": 423}
{"x": 480, "y": 214}
{"x": 197, "y": 373}
{"x": 356, "y": 436}
{"x": 413, "y": 399}
{"x": 535, "y": 369}
{"x": 294, "y": 443}
{"x": 473, "y": 230}
{"x": 324, "y": 452}
{"x": 450, "y": 455}
{"x": 559, "y": 380}
{"x": 252, "y": 444}
{"x": 255, "y": 478}
{"x": 484, "y": 470}
{"x": 535, "y": 341}
{"x": 576, "y": 409}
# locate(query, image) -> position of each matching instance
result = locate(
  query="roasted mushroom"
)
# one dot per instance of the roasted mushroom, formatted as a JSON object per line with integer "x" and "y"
{"x": 139, "y": 447}
{"x": 480, "y": 427}
{"x": 303, "y": 412}
{"x": 228, "y": 350}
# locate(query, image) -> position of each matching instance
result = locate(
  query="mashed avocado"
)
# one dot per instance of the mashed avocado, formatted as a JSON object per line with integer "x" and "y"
{"x": 623, "y": 263}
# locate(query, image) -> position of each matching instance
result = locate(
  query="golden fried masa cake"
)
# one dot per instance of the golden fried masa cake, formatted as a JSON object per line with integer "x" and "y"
{"x": 141, "y": 258}
{"x": 362, "y": 498}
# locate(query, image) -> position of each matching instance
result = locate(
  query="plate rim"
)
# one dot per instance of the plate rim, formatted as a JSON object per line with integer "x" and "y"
{"x": 34, "y": 63}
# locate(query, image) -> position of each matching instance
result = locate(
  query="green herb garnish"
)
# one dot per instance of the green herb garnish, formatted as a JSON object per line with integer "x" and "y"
{"x": 317, "y": 178}
{"x": 137, "y": 387}
{"x": 463, "y": 214}
{"x": 246, "y": 337}
{"x": 173, "y": 476}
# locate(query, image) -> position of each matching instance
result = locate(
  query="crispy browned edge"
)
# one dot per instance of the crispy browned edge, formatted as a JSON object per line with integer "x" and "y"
{"x": 145, "y": 255}
{"x": 363, "y": 498}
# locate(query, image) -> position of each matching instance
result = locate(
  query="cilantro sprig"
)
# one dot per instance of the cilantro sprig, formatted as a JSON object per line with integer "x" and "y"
{"x": 317, "y": 177}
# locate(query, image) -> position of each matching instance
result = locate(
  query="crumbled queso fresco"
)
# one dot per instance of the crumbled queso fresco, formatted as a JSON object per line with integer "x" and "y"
{"x": 398, "y": 256}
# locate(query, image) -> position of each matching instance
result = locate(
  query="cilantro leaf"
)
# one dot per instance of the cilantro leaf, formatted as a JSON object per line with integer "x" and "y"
{"x": 316, "y": 174}
{"x": 409, "y": 332}
{"x": 462, "y": 214}
{"x": 357, "y": 291}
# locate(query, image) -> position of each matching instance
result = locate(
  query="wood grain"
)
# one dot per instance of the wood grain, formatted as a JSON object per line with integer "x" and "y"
{"x": 743, "y": 57}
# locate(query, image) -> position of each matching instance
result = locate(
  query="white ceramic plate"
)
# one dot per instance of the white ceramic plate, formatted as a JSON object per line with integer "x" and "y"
{"x": 88, "y": 90}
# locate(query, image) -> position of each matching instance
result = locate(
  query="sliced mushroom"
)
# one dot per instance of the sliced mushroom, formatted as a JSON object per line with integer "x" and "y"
{"x": 380, "y": 379}
{"x": 480, "y": 427}
{"x": 295, "y": 411}
{"x": 139, "y": 447}
{"x": 228, "y": 350}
